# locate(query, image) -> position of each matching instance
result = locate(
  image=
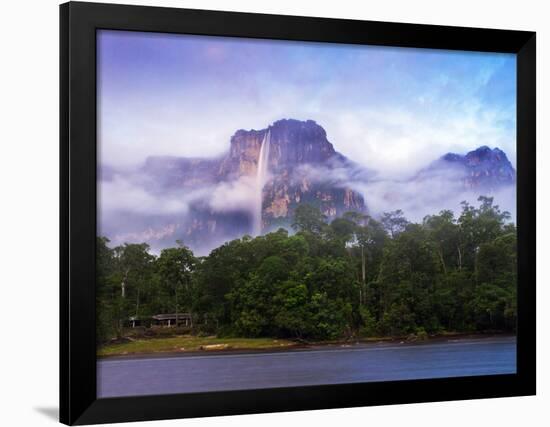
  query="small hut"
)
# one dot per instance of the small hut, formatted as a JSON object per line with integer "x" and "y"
{"x": 181, "y": 319}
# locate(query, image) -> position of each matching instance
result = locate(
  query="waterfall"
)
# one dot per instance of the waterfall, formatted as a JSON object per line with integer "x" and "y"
{"x": 261, "y": 178}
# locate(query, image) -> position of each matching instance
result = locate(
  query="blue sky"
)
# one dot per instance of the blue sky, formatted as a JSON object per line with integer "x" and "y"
{"x": 391, "y": 109}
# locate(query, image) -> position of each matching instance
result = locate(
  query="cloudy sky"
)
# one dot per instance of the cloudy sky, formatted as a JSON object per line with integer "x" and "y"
{"x": 392, "y": 109}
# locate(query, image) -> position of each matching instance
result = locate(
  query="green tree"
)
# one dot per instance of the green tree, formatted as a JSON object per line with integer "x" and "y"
{"x": 330, "y": 317}
{"x": 133, "y": 271}
{"x": 334, "y": 277}
{"x": 176, "y": 267}
{"x": 394, "y": 222}
{"x": 371, "y": 239}
{"x": 477, "y": 226}
{"x": 496, "y": 261}
{"x": 444, "y": 234}
{"x": 407, "y": 277}
{"x": 398, "y": 320}
{"x": 343, "y": 230}
{"x": 251, "y": 307}
{"x": 309, "y": 219}
{"x": 105, "y": 291}
{"x": 488, "y": 307}
{"x": 453, "y": 292}
{"x": 293, "y": 314}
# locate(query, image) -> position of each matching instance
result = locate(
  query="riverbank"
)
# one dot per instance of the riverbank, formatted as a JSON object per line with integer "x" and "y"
{"x": 211, "y": 344}
{"x": 190, "y": 343}
{"x": 193, "y": 372}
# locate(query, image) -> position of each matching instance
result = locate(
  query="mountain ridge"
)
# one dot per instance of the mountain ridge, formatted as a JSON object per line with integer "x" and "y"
{"x": 483, "y": 168}
{"x": 303, "y": 167}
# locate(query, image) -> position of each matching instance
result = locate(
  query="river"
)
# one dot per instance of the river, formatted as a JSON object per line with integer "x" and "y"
{"x": 322, "y": 365}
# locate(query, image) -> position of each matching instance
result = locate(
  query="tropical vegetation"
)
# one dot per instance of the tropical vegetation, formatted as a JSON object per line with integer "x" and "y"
{"x": 355, "y": 276}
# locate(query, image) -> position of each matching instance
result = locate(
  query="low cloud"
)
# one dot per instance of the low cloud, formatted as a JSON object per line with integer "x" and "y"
{"x": 133, "y": 208}
{"x": 150, "y": 234}
{"x": 233, "y": 196}
{"x": 122, "y": 194}
{"x": 418, "y": 198}
{"x": 425, "y": 192}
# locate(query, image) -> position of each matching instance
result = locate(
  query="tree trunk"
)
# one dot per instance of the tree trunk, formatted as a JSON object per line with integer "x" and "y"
{"x": 440, "y": 252}
{"x": 188, "y": 299}
{"x": 363, "y": 274}
{"x": 123, "y": 283}
{"x": 177, "y": 307}
{"x": 137, "y": 304}
{"x": 123, "y": 295}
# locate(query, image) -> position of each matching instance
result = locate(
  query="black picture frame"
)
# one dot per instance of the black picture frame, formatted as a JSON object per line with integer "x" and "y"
{"x": 78, "y": 24}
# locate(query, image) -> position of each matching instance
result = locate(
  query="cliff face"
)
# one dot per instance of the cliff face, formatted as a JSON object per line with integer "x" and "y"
{"x": 482, "y": 168}
{"x": 293, "y": 143}
{"x": 300, "y": 169}
{"x": 295, "y": 148}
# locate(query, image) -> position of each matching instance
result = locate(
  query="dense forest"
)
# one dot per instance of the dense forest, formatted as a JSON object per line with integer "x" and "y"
{"x": 352, "y": 277}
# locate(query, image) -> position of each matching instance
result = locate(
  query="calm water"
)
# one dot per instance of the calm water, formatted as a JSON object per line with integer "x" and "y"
{"x": 378, "y": 362}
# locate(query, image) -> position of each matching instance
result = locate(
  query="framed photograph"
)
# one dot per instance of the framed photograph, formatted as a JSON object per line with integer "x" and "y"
{"x": 267, "y": 213}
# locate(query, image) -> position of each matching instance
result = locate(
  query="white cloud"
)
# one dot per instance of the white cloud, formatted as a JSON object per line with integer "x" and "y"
{"x": 237, "y": 195}
{"x": 122, "y": 194}
{"x": 396, "y": 142}
{"x": 419, "y": 198}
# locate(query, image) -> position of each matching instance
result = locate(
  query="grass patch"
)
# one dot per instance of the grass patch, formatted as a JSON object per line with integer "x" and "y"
{"x": 183, "y": 343}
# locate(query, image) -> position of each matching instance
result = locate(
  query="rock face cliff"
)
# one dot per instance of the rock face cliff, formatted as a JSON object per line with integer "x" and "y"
{"x": 482, "y": 169}
{"x": 485, "y": 168}
{"x": 302, "y": 167}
